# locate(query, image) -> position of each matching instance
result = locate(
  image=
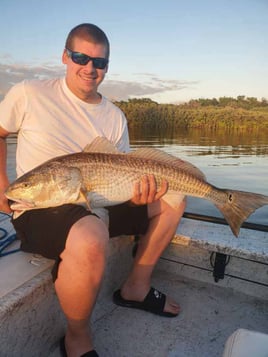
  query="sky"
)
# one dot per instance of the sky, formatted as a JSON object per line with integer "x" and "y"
{"x": 170, "y": 51}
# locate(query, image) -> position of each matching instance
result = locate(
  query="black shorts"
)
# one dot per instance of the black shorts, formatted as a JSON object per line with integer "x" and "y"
{"x": 44, "y": 231}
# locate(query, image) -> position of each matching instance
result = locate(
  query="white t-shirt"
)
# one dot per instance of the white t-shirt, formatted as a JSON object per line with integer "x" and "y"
{"x": 51, "y": 121}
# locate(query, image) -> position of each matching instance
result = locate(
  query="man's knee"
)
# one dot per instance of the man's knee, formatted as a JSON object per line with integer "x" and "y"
{"x": 88, "y": 235}
{"x": 175, "y": 213}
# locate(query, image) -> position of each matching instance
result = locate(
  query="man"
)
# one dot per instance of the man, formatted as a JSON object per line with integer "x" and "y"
{"x": 60, "y": 116}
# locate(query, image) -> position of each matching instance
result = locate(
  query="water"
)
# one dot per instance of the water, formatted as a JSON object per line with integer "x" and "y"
{"x": 236, "y": 160}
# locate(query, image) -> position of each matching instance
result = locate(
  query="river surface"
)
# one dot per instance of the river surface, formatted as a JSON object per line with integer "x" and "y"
{"x": 236, "y": 160}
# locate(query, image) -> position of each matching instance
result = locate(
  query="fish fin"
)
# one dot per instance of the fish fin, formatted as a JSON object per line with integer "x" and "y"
{"x": 239, "y": 206}
{"x": 101, "y": 145}
{"x": 173, "y": 198}
{"x": 17, "y": 214}
{"x": 68, "y": 182}
{"x": 163, "y": 157}
{"x": 84, "y": 197}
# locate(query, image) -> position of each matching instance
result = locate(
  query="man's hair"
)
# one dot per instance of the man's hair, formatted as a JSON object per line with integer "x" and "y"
{"x": 90, "y": 33}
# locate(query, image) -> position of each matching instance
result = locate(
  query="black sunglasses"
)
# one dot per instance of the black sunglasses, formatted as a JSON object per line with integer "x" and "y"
{"x": 82, "y": 59}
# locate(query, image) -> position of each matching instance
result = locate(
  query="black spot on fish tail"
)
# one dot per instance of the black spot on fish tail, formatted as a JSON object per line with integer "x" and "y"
{"x": 239, "y": 206}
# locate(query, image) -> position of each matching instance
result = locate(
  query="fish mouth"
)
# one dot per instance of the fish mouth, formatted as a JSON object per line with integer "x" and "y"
{"x": 20, "y": 205}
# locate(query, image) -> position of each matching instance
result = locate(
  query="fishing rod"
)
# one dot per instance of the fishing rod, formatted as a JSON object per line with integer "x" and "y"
{"x": 219, "y": 220}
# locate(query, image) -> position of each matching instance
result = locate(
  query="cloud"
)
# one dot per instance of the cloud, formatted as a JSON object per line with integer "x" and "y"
{"x": 142, "y": 84}
{"x": 14, "y": 73}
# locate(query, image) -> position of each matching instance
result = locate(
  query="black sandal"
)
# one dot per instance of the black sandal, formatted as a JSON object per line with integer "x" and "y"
{"x": 63, "y": 352}
{"x": 154, "y": 302}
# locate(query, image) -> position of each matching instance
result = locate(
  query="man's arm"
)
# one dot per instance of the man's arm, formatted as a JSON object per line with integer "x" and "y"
{"x": 4, "y": 182}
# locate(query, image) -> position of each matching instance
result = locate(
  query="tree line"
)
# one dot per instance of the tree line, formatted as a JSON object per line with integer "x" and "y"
{"x": 226, "y": 112}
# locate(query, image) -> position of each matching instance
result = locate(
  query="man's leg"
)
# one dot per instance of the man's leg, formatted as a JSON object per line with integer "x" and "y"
{"x": 79, "y": 277}
{"x": 164, "y": 221}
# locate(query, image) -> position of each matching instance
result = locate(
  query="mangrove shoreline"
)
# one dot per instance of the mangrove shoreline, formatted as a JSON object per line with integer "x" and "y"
{"x": 223, "y": 113}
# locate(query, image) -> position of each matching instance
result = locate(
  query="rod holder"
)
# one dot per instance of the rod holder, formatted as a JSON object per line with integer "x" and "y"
{"x": 220, "y": 262}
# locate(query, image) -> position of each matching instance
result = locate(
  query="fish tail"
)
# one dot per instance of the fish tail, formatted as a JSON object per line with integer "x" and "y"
{"x": 239, "y": 206}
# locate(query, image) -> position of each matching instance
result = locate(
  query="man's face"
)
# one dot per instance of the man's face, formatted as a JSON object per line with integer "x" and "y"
{"x": 83, "y": 81}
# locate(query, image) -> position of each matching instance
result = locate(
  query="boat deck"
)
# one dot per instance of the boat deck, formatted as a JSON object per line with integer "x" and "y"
{"x": 209, "y": 314}
{"x": 210, "y": 311}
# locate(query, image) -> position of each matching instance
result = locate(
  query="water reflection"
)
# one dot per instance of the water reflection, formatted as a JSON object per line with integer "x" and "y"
{"x": 232, "y": 159}
{"x": 246, "y": 142}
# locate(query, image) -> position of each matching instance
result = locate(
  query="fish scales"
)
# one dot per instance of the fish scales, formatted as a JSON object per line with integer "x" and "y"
{"x": 100, "y": 172}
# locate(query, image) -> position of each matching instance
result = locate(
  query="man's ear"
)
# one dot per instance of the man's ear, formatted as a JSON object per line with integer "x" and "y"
{"x": 64, "y": 57}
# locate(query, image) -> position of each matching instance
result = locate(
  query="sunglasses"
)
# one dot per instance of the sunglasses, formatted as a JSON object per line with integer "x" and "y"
{"x": 82, "y": 59}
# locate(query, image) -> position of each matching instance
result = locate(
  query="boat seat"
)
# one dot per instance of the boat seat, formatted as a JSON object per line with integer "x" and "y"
{"x": 246, "y": 343}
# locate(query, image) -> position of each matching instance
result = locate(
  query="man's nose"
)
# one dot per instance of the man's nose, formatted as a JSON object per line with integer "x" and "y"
{"x": 89, "y": 66}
